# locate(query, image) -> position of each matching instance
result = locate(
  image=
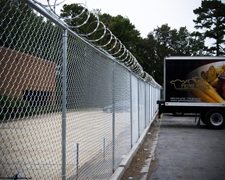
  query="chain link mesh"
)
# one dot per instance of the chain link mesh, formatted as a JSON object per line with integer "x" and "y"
{"x": 122, "y": 114}
{"x": 108, "y": 106}
{"x": 30, "y": 53}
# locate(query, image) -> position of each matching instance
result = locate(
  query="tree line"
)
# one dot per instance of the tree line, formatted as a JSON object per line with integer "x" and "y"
{"x": 149, "y": 51}
{"x": 162, "y": 41}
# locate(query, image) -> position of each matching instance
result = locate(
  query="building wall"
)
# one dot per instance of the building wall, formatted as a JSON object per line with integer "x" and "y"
{"x": 21, "y": 72}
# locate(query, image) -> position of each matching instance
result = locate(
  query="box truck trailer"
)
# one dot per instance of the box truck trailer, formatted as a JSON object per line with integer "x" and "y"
{"x": 195, "y": 85}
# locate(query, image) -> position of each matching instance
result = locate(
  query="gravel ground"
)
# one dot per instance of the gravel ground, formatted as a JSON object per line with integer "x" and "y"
{"x": 140, "y": 163}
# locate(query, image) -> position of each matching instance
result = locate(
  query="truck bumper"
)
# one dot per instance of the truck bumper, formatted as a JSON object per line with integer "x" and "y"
{"x": 173, "y": 109}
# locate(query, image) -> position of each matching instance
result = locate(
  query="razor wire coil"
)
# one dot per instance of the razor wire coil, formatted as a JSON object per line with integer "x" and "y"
{"x": 119, "y": 53}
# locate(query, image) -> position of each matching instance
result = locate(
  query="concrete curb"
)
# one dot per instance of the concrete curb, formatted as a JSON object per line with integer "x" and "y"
{"x": 117, "y": 175}
{"x": 148, "y": 161}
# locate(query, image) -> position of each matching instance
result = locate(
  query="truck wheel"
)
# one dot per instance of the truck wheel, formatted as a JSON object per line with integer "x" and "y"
{"x": 215, "y": 119}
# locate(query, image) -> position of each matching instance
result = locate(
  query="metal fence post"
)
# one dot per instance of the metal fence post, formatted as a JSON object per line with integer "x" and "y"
{"x": 76, "y": 146}
{"x": 139, "y": 109}
{"x": 113, "y": 118}
{"x": 64, "y": 79}
{"x": 103, "y": 148}
{"x": 131, "y": 117}
{"x": 145, "y": 105}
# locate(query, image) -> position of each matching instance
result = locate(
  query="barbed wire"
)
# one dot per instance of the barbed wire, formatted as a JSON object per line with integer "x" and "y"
{"x": 112, "y": 45}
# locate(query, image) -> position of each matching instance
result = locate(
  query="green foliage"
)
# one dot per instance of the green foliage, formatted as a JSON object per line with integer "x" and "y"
{"x": 12, "y": 107}
{"x": 23, "y": 30}
{"x": 197, "y": 45}
{"x": 11, "y": 18}
{"x": 165, "y": 41}
{"x": 6, "y": 101}
{"x": 211, "y": 18}
{"x": 80, "y": 20}
{"x": 18, "y": 108}
{"x": 123, "y": 29}
{"x": 86, "y": 25}
{"x": 150, "y": 52}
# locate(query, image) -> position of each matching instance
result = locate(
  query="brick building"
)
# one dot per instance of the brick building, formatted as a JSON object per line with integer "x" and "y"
{"x": 27, "y": 77}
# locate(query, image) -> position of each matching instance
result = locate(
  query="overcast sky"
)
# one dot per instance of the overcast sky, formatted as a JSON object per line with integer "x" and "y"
{"x": 147, "y": 15}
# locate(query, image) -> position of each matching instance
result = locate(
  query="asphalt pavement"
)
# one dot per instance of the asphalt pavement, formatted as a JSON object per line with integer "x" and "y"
{"x": 187, "y": 151}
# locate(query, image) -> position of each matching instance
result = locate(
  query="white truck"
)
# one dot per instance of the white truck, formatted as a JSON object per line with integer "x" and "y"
{"x": 195, "y": 85}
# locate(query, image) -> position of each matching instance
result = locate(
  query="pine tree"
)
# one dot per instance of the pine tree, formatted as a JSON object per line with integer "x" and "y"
{"x": 211, "y": 18}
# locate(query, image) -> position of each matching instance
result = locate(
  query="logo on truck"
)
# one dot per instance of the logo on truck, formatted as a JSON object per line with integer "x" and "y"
{"x": 189, "y": 84}
{"x": 199, "y": 88}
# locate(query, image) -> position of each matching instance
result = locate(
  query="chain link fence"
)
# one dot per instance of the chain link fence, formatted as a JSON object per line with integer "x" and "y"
{"x": 69, "y": 109}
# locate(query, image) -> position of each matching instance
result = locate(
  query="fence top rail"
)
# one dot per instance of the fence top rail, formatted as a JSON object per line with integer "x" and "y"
{"x": 125, "y": 57}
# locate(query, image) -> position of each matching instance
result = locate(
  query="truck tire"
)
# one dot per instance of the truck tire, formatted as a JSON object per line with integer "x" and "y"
{"x": 215, "y": 118}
